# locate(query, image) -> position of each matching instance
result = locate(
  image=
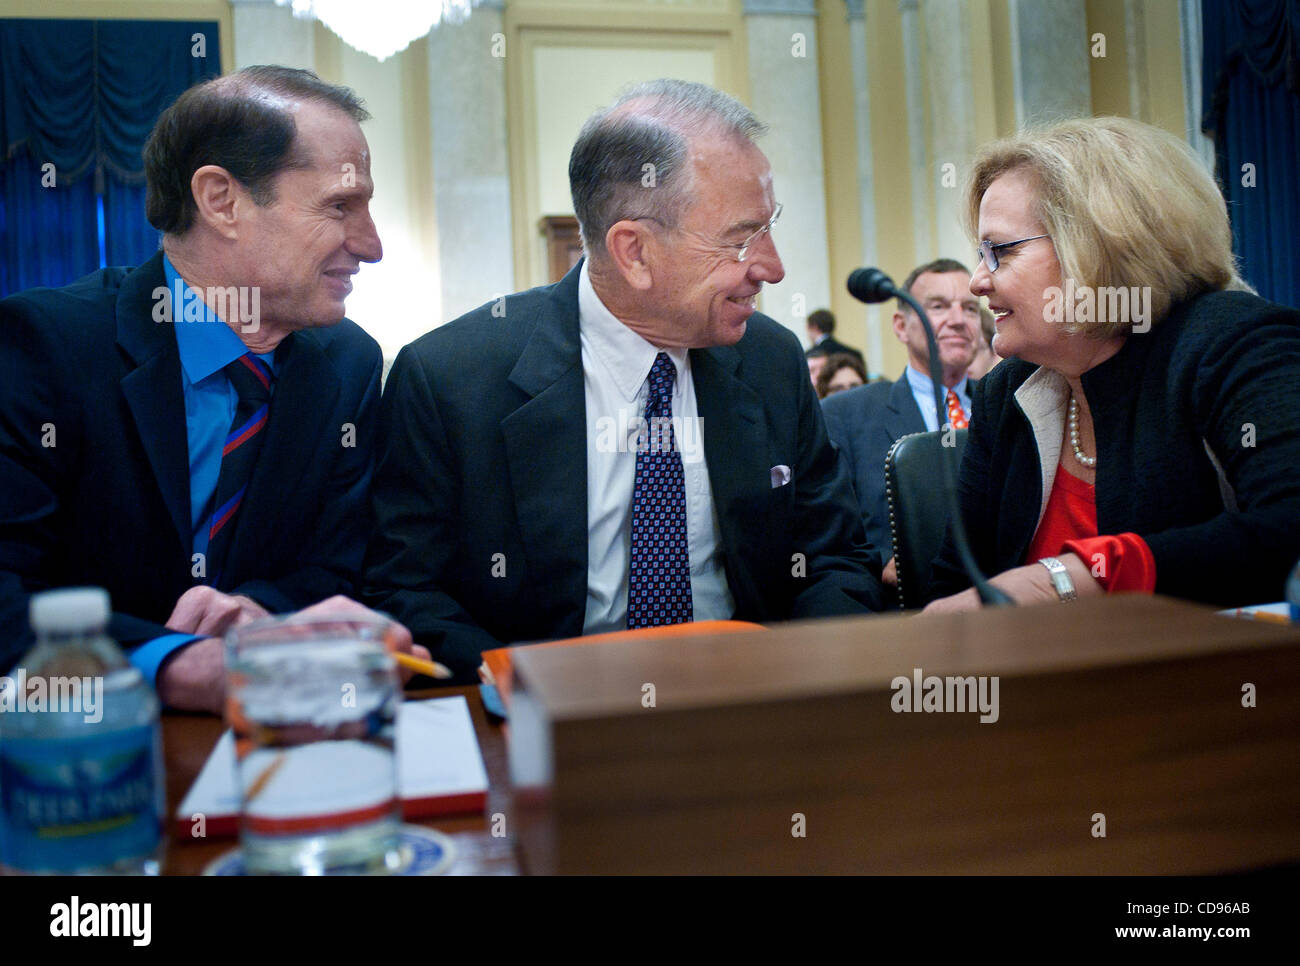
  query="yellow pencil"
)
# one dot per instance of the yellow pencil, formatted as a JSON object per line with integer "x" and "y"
{"x": 1268, "y": 617}
{"x": 262, "y": 780}
{"x": 432, "y": 668}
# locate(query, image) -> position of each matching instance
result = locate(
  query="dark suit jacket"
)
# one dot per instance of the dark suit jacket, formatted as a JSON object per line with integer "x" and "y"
{"x": 863, "y": 422}
{"x": 482, "y": 464}
{"x": 1222, "y": 371}
{"x": 109, "y": 503}
{"x": 831, "y": 345}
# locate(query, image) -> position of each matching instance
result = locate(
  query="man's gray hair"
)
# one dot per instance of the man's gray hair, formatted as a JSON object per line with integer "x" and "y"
{"x": 630, "y": 159}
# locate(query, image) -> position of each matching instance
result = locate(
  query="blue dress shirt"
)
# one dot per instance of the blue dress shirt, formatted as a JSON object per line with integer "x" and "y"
{"x": 207, "y": 345}
{"x": 923, "y": 392}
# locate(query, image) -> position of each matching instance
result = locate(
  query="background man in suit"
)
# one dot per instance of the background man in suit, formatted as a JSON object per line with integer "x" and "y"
{"x": 816, "y": 357}
{"x": 528, "y": 485}
{"x": 821, "y": 325}
{"x": 195, "y": 435}
{"x": 866, "y": 421}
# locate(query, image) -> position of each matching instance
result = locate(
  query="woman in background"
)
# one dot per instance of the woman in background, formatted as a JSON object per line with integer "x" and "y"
{"x": 1143, "y": 430}
{"x": 841, "y": 371}
{"x": 985, "y": 358}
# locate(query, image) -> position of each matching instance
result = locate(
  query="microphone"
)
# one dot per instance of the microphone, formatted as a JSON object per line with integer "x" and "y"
{"x": 872, "y": 285}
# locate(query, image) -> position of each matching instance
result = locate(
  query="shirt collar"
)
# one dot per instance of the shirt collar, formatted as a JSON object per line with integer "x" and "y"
{"x": 925, "y": 385}
{"x": 206, "y": 346}
{"x": 626, "y": 356}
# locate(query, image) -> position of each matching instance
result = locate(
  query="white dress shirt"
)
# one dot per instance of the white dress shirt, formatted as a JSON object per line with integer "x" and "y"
{"x": 616, "y": 365}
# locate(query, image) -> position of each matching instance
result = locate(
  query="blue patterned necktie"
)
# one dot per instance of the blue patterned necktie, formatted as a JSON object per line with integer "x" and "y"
{"x": 659, "y": 578}
{"x": 252, "y": 380}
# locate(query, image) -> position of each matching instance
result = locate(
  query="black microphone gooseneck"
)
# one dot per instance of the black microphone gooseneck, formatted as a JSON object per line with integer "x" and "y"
{"x": 872, "y": 285}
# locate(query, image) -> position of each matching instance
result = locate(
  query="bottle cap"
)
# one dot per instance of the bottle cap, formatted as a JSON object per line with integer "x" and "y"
{"x": 69, "y": 610}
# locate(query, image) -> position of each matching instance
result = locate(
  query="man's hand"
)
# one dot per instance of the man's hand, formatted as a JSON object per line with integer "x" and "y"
{"x": 194, "y": 678}
{"x": 202, "y": 610}
{"x": 890, "y": 574}
{"x": 1030, "y": 584}
{"x": 396, "y": 636}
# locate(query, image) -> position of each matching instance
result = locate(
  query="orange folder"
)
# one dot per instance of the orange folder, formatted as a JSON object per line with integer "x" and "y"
{"x": 496, "y": 667}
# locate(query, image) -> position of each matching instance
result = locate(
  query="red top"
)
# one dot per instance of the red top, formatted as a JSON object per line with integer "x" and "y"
{"x": 1069, "y": 525}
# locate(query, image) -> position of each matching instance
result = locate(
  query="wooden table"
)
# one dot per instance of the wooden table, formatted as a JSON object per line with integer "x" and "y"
{"x": 787, "y": 751}
{"x": 1131, "y": 707}
{"x": 188, "y": 739}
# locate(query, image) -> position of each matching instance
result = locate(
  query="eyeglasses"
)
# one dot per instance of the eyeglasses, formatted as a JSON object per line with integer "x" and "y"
{"x": 741, "y": 250}
{"x": 988, "y": 252}
{"x": 752, "y": 240}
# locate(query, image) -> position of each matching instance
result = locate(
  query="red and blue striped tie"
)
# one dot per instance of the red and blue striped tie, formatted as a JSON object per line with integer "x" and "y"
{"x": 251, "y": 378}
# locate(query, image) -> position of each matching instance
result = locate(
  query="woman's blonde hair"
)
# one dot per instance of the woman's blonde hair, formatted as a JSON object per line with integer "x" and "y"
{"x": 1126, "y": 204}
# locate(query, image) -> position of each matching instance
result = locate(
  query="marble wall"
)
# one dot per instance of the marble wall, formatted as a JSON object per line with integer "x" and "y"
{"x": 784, "y": 93}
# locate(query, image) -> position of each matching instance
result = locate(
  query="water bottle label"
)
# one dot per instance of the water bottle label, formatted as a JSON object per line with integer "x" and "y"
{"x": 75, "y": 803}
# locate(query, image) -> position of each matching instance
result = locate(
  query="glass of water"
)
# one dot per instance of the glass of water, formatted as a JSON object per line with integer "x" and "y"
{"x": 313, "y": 705}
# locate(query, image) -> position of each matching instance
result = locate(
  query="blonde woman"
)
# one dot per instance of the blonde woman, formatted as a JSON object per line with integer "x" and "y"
{"x": 1143, "y": 432}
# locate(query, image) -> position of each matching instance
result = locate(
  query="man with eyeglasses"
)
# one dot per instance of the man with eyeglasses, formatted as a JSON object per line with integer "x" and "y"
{"x": 865, "y": 422}
{"x": 634, "y": 445}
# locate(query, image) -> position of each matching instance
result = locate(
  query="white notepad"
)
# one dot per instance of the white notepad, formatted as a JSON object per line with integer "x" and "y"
{"x": 440, "y": 770}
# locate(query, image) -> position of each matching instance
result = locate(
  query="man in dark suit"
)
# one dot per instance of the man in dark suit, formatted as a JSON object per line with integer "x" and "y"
{"x": 866, "y": 421}
{"x": 195, "y": 435}
{"x": 821, "y": 326}
{"x": 633, "y": 445}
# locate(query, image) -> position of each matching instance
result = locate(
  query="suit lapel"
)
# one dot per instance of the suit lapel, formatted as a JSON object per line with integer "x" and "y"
{"x": 305, "y": 395}
{"x": 902, "y": 415}
{"x": 734, "y": 441}
{"x": 546, "y": 451}
{"x": 153, "y": 393}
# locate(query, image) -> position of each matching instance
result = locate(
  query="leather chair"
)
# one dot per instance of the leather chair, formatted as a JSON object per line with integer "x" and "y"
{"x": 918, "y": 511}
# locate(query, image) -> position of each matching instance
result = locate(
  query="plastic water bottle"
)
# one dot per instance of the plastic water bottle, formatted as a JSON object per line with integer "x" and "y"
{"x": 81, "y": 775}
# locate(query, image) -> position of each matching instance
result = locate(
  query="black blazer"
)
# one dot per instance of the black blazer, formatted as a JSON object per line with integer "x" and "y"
{"x": 1222, "y": 371}
{"x": 863, "y": 422}
{"x": 481, "y": 485}
{"x": 109, "y": 503}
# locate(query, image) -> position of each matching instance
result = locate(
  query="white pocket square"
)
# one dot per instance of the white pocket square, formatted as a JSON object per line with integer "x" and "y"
{"x": 780, "y": 475}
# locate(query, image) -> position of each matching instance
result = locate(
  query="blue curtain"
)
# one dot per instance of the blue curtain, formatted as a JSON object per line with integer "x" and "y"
{"x": 50, "y": 232}
{"x": 1251, "y": 70}
{"x": 129, "y": 239}
{"x": 83, "y": 95}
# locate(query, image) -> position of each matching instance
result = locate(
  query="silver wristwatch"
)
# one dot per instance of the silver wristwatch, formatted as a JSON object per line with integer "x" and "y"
{"x": 1060, "y": 578}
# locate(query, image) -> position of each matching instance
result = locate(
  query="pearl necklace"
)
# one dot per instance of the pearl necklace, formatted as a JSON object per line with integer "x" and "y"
{"x": 1088, "y": 461}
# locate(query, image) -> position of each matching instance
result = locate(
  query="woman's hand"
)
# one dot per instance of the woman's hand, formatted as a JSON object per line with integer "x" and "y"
{"x": 1030, "y": 584}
